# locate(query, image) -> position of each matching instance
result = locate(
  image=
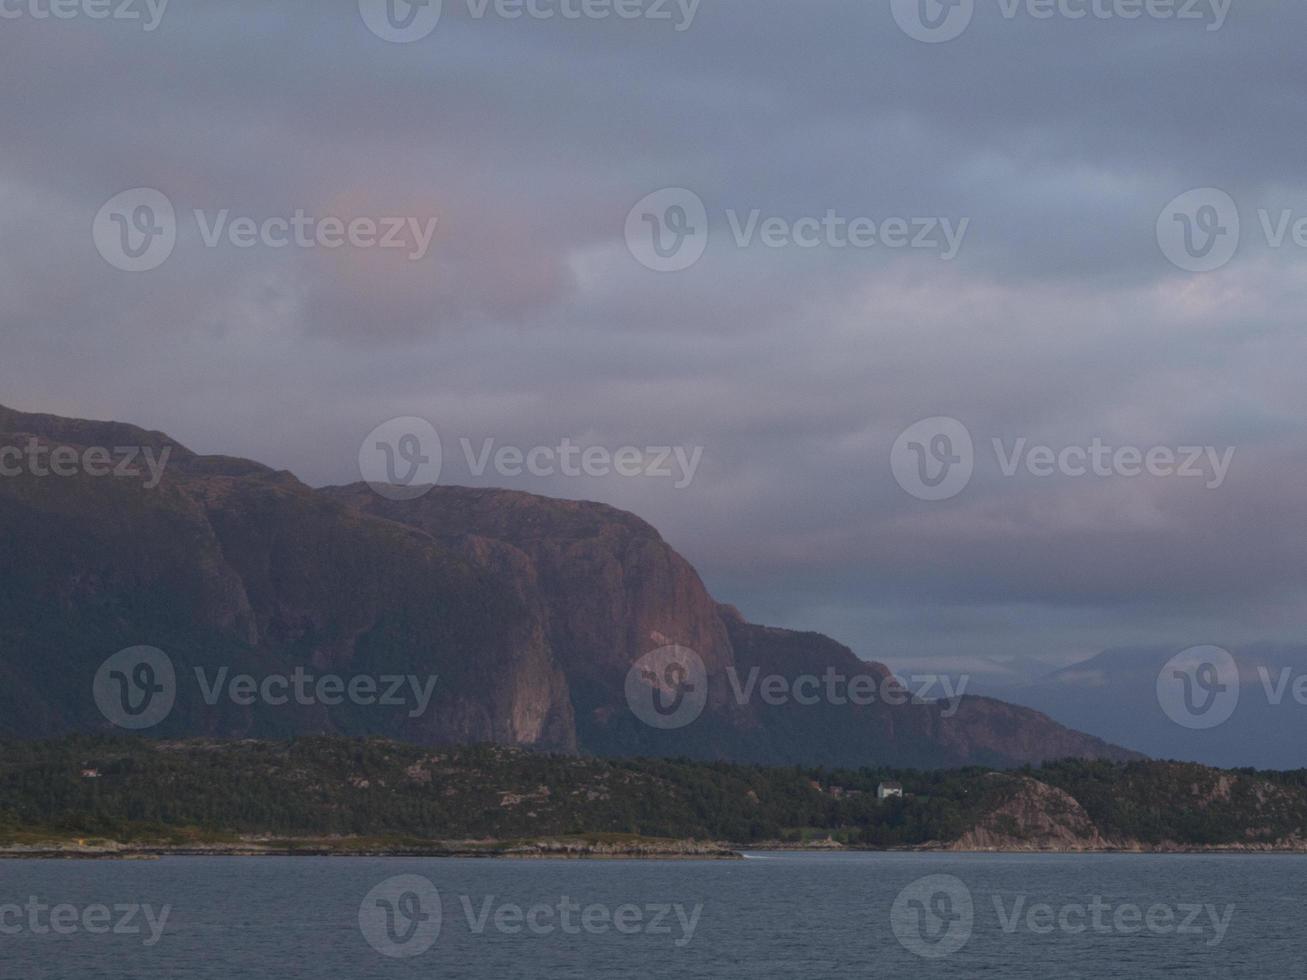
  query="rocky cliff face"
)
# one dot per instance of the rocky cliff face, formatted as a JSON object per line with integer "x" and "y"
{"x": 229, "y": 564}
{"x": 530, "y": 611}
{"x": 605, "y": 589}
{"x": 1028, "y": 815}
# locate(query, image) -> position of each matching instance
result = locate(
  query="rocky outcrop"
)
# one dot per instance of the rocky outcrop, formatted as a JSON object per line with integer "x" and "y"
{"x": 1027, "y": 815}
{"x": 529, "y": 611}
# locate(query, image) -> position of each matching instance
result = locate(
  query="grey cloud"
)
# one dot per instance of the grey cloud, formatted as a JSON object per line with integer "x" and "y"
{"x": 1059, "y": 320}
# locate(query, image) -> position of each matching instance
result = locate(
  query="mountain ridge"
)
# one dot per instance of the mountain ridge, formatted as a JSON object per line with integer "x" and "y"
{"x": 531, "y": 611}
{"x": 1116, "y": 690}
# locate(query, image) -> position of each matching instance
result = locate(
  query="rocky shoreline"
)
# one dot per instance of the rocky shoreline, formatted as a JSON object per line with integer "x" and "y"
{"x": 556, "y": 849}
{"x": 1019, "y": 847}
{"x": 579, "y": 849}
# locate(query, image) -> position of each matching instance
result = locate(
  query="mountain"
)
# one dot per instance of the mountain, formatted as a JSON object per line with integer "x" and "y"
{"x": 1115, "y": 695}
{"x": 529, "y": 612}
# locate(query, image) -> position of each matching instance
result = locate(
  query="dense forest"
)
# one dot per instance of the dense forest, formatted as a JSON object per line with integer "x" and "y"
{"x": 135, "y": 790}
{"x": 1152, "y": 802}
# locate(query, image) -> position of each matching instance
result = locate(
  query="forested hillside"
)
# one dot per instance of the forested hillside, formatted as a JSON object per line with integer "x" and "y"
{"x": 127, "y": 789}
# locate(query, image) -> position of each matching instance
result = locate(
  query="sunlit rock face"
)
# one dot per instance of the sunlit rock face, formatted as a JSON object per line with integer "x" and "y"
{"x": 529, "y": 613}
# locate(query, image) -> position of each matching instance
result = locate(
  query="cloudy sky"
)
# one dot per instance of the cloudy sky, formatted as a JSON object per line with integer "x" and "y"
{"x": 1069, "y": 311}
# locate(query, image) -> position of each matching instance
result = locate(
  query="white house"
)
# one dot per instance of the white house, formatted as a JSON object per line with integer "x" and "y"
{"x": 885, "y": 790}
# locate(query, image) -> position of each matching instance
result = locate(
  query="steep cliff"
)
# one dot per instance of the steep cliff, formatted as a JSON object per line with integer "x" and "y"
{"x": 530, "y": 612}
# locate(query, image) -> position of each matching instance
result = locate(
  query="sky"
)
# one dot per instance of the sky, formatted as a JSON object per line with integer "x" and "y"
{"x": 889, "y": 234}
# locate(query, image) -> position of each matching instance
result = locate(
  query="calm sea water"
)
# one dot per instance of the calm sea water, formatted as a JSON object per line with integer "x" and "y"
{"x": 811, "y": 916}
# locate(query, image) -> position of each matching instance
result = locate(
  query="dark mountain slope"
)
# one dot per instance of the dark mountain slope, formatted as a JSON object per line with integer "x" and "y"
{"x": 531, "y": 612}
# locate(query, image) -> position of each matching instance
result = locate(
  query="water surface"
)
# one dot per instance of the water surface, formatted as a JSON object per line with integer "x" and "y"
{"x": 771, "y": 916}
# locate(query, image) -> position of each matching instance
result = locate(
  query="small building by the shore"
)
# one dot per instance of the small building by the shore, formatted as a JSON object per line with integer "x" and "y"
{"x": 885, "y": 790}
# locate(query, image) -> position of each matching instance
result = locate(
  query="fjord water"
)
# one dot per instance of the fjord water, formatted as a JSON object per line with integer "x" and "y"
{"x": 771, "y": 916}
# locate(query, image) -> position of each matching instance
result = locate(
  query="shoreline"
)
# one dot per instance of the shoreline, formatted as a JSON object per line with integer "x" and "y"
{"x": 547, "y": 850}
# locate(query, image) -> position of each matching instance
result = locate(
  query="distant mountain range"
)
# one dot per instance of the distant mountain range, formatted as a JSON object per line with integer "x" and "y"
{"x": 1115, "y": 695}
{"x": 530, "y": 613}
